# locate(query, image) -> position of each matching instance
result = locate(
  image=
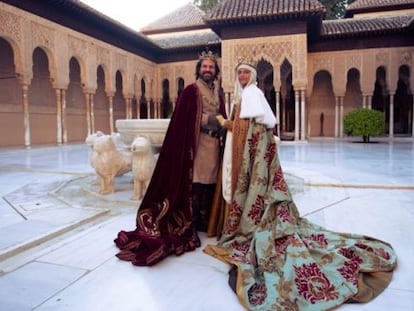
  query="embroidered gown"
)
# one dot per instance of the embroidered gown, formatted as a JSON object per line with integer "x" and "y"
{"x": 283, "y": 261}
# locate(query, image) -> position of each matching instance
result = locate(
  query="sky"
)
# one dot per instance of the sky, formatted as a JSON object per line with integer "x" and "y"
{"x": 136, "y": 14}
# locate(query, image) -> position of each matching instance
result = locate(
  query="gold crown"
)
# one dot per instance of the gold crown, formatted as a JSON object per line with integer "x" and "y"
{"x": 207, "y": 55}
{"x": 247, "y": 61}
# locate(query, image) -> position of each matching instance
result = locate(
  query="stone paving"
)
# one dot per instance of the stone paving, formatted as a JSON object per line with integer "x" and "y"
{"x": 56, "y": 231}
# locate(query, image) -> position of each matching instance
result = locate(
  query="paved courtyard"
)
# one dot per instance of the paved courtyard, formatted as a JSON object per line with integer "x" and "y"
{"x": 56, "y": 232}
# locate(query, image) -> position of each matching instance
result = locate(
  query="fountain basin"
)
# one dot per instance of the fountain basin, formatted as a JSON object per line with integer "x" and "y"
{"x": 153, "y": 129}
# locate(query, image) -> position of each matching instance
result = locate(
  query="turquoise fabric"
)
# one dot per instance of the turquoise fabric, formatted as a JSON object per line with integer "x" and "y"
{"x": 284, "y": 261}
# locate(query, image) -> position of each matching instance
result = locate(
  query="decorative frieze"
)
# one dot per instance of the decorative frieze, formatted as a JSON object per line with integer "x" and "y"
{"x": 382, "y": 59}
{"x": 323, "y": 63}
{"x": 102, "y": 55}
{"x": 42, "y": 35}
{"x": 354, "y": 61}
{"x": 77, "y": 46}
{"x": 10, "y": 24}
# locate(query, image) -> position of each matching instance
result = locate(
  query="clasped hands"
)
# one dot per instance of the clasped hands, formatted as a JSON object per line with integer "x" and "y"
{"x": 228, "y": 124}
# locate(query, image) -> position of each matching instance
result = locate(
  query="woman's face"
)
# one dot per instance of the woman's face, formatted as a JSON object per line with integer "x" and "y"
{"x": 243, "y": 75}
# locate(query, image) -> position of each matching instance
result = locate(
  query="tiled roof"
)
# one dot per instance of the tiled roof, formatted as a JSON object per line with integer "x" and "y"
{"x": 242, "y": 10}
{"x": 186, "y": 39}
{"x": 184, "y": 17}
{"x": 369, "y": 4}
{"x": 367, "y": 25}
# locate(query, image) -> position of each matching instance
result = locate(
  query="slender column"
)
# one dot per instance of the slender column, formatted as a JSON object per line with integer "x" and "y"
{"x": 88, "y": 113}
{"x": 341, "y": 116}
{"x": 111, "y": 113}
{"x": 412, "y": 117}
{"x": 278, "y": 112}
{"x": 364, "y": 101}
{"x": 369, "y": 101}
{"x": 336, "y": 116}
{"x": 149, "y": 108}
{"x": 128, "y": 112}
{"x": 64, "y": 128}
{"x": 391, "y": 125}
{"x": 158, "y": 109}
{"x": 139, "y": 108}
{"x": 59, "y": 116}
{"x": 303, "y": 115}
{"x": 26, "y": 115}
{"x": 92, "y": 106}
{"x": 297, "y": 125}
{"x": 283, "y": 114}
{"x": 174, "y": 103}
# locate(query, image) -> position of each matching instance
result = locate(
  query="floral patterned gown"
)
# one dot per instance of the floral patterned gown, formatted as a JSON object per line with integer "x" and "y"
{"x": 284, "y": 262}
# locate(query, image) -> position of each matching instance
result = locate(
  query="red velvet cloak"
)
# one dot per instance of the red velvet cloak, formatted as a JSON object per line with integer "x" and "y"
{"x": 163, "y": 224}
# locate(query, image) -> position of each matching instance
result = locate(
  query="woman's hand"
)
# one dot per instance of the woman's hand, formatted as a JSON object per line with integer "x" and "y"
{"x": 224, "y": 122}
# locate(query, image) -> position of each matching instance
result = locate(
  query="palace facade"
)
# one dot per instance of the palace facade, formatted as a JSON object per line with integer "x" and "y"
{"x": 67, "y": 70}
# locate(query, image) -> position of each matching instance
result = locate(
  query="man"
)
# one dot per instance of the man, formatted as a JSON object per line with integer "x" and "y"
{"x": 178, "y": 199}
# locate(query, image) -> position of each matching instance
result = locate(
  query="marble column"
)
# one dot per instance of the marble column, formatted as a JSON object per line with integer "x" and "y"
{"x": 111, "y": 113}
{"x": 88, "y": 113}
{"x": 128, "y": 108}
{"x": 302, "y": 116}
{"x": 59, "y": 116}
{"x": 92, "y": 106}
{"x": 64, "y": 127}
{"x": 336, "y": 116}
{"x": 391, "y": 124}
{"x": 26, "y": 116}
{"x": 412, "y": 116}
{"x": 297, "y": 124}
{"x": 341, "y": 116}
{"x": 278, "y": 112}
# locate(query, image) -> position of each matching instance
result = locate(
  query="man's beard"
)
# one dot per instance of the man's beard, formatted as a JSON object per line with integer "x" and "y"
{"x": 207, "y": 77}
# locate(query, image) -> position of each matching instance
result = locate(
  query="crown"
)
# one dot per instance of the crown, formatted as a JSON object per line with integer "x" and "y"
{"x": 247, "y": 61}
{"x": 207, "y": 55}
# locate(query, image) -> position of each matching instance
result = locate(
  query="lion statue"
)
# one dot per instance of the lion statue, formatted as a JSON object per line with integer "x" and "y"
{"x": 143, "y": 162}
{"x": 121, "y": 147}
{"x": 109, "y": 162}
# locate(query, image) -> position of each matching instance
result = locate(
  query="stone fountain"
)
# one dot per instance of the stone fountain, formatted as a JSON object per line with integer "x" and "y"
{"x": 153, "y": 129}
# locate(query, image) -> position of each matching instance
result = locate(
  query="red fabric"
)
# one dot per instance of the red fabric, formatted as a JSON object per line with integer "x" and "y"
{"x": 164, "y": 217}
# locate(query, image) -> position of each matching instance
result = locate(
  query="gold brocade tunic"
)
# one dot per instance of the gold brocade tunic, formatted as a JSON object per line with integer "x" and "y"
{"x": 240, "y": 128}
{"x": 206, "y": 161}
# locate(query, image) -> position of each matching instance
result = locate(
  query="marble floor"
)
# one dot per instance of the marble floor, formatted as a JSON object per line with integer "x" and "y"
{"x": 56, "y": 232}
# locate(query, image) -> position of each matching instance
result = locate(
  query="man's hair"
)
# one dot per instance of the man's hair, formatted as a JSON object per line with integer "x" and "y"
{"x": 198, "y": 67}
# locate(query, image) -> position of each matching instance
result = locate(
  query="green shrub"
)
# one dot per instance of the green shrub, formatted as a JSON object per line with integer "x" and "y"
{"x": 364, "y": 122}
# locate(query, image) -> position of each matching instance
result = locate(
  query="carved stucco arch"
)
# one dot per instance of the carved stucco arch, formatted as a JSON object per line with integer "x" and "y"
{"x": 107, "y": 75}
{"x": 17, "y": 58}
{"x": 407, "y": 59}
{"x": 82, "y": 66}
{"x": 52, "y": 64}
{"x": 322, "y": 63}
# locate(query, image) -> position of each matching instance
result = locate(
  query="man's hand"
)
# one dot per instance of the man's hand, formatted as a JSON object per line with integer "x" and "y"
{"x": 212, "y": 120}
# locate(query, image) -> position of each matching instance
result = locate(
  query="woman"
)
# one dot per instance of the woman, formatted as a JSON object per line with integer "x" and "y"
{"x": 279, "y": 260}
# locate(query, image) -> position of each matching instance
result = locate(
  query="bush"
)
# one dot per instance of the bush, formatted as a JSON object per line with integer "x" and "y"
{"x": 364, "y": 122}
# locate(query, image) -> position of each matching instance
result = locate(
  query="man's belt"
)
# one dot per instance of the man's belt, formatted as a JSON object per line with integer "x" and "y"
{"x": 212, "y": 132}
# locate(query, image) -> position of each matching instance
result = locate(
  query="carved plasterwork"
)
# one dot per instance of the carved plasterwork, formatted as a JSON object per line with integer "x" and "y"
{"x": 102, "y": 55}
{"x": 382, "y": 59}
{"x": 405, "y": 57}
{"x": 10, "y": 24}
{"x": 120, "y": 61}
{"x": 323, "y": 63}
{"x": 42, "y": 35}
{"x": 179, "y": 71}
{"x": 353, "y": 61}
{"x": 77, "y": 47}
{"x": 164, "y": 72}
